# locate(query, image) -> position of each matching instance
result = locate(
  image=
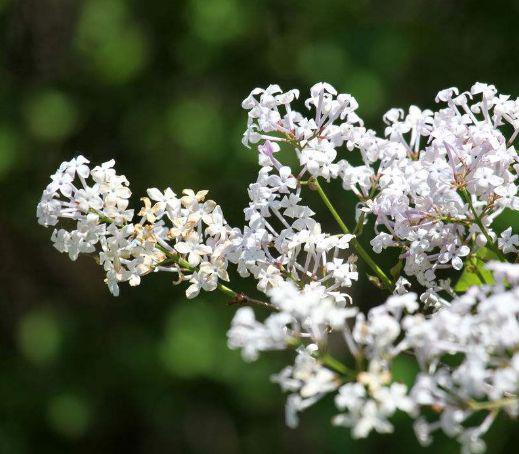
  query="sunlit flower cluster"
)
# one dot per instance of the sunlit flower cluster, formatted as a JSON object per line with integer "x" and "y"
{"x": 187, "y": 236}
{"x": 433, "y": 185}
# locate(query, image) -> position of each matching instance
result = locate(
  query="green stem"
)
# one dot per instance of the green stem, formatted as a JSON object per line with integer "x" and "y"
{"x": 335, "y": 365}
{"x": 175, "y": 258}
{"x": 474, "y": 262}
{"x": 227, "y": 291}
{"x": 360, "y": 224}
{"x": 480, "y": 276}
{"x": 363, "y": 254}
{"x": 490, "y": 242}
{"x": 236, "y": 298}
{"x": 493, "y": 405}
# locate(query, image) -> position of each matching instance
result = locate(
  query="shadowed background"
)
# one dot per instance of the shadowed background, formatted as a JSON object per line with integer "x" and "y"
{"x": 157, "y": 85}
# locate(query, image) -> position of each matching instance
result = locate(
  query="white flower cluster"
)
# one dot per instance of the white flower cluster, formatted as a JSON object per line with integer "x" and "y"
{"x": 469, "y": 359}
{"x": 188, "y": 235}
{"x": 283, "y": 240}
{"x": 433, "y": 185}
{"x": 309, "y": 313}
{"x": 467, "y": 353}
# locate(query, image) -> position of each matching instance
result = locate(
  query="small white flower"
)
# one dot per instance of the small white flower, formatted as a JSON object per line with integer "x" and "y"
{"x": 507, "y": 242}
{"x": 193, "y": 248}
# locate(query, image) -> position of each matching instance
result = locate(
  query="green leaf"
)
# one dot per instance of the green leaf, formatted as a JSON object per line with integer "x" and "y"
{"x": 396, "y": 269}
{"x": 475, "y": 271}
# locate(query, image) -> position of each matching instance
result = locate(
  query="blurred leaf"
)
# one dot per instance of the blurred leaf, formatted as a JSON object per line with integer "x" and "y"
{"x": 506, "y": 219}
{"x": 191, "y": 340}
{"x": 40, "y": 336}
{"x": 391, "y": 52}
{"x": 323, "y": 61}
{"x": 69, "y": 415}
{"x": 123, "y": 57}
{"x": 50, "y": 115}
{"x": 101, "y": 18}
{"x": 4, "y": 4}
{"x": 194, "y": 54}
{"x": 115, "y": 47}
{"x": 252, "y": 385}
{"x": 218, "y": 21}
{"x": 473, "y": 270}
{"x": 196, "y": 125}
{"x": 13, "y": 438}
{"x": 8, "y": 148}
{"x": 396, "y": 269}
{"x": 368, "y": 89}
{"x": 467, "y": 279}
{"x": 404, "y": 370}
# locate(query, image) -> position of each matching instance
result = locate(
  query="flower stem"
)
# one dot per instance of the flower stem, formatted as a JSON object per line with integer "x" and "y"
{"x": 236, "y": 298}
{"x": 335, "y": 365}
{"x": 227, "y": 291}
{"x": 490, "y": 242}
{"x": 473, "y": 261}
{"x": 492, "y": 405}
{"x": 363, "y": 254}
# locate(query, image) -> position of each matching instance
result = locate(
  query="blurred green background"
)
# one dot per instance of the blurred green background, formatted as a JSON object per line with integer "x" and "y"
{"x": 157, "y": 85}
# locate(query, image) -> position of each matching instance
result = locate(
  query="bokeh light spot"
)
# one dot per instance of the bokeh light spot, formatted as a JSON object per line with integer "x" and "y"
{"x": 217, "y": 21}
{"x": 196, "y": 125}
{"x": 114, "y": 46}
{"x": 39, "y": 336}
{"x": 321, "y": 61}
{"x": 50, "y": 115}
{"x": 69, "y": 415}
{"x": 189, "y": 347}
{"x": 368, "y": 89}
